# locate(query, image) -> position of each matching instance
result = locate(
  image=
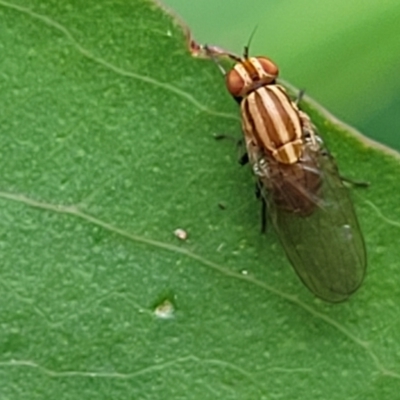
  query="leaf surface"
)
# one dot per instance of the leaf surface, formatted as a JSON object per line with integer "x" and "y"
{"x": 106, "y": 132}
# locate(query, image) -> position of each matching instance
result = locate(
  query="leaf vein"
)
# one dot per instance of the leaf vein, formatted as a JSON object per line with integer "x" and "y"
{"x": 120, "y": 71}
{"x": 74, "y": 211}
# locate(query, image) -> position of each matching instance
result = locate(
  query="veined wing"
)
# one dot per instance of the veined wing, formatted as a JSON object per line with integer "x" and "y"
{"x": 317, "y": 225}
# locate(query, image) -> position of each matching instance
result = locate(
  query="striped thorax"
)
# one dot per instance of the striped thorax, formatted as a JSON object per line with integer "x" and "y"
{"x": 269, "y": 117}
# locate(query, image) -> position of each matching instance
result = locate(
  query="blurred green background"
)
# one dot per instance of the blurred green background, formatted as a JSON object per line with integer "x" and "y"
{"x": 345, "y": 53}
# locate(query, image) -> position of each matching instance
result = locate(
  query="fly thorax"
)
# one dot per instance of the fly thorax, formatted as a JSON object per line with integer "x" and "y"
{"x": 271, "y": 120}
{"x": 289, "y": 153}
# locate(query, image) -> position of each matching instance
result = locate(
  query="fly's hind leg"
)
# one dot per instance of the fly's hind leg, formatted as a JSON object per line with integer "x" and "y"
{"x": 326, "y": 154}
{"x": 352, "y": 182}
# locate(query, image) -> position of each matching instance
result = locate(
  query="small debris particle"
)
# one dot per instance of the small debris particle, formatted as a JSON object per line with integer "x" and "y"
{"x": 165, "y": 310}
{"x": 180, "y": 234}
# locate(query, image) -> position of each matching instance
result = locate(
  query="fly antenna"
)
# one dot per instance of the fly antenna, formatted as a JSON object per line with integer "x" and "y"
{"x": 246, "y": 48}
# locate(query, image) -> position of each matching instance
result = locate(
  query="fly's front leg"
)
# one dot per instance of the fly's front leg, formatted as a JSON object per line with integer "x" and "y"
{"x": 215, "y": 51}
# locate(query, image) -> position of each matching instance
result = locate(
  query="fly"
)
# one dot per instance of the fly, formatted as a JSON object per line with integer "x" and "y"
{"x": 298, "y": 180}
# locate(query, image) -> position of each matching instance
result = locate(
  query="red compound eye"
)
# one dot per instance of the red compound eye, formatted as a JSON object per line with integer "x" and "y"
{"x": 234, "y": 83}
{"x": 270, "y": 68}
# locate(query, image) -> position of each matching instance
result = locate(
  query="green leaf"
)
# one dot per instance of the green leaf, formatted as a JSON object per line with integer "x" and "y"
{"x": 107, "y": 127}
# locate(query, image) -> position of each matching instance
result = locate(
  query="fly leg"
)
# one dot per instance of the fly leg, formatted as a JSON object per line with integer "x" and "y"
{"x": 263, "y": 215}
{"x": 264, "y": 221}
{"x": 352, "y": 182}
{"x": 310, "y": 132}
{"x": 214, "y": 52}
{"x": 243, "y": 158}
{"x": 299, "y": 97}
{"x": 344, "y": 179}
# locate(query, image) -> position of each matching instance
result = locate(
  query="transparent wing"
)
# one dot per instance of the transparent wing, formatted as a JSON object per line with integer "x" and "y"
{"x": 316, "y": 223}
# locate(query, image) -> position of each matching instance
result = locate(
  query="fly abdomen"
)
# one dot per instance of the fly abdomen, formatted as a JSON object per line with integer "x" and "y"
{"x": 293, "y": 188}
